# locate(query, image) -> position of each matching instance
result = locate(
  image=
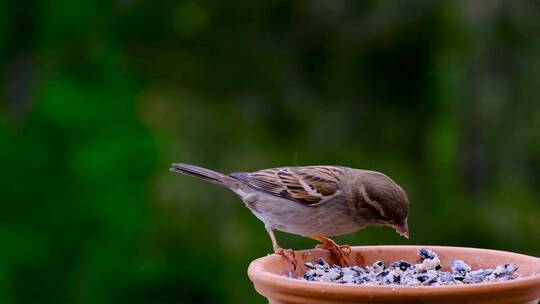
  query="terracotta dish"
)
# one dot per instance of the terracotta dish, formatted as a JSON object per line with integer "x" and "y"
{"x": 267, "y": 276}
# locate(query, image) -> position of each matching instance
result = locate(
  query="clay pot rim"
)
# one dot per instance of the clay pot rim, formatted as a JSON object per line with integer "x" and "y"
{"x": 257, "y": 269}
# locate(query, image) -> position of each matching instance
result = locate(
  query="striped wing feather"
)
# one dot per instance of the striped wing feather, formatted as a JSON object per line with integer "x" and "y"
{"x": 307, "y": 185}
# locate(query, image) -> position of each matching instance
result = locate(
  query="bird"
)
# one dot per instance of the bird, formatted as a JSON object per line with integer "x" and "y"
{"x": 315, "y": 201}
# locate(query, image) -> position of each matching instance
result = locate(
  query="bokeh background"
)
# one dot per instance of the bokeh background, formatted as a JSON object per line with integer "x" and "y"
{"x": 99, "y": 97}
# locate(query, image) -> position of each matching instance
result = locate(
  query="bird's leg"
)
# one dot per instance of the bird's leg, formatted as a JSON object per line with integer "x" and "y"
{"x": 288, "y": 254}
{"x": 339, "y": 252}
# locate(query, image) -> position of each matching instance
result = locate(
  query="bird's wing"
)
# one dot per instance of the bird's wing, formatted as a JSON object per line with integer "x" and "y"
{"x": 307, "y": 185}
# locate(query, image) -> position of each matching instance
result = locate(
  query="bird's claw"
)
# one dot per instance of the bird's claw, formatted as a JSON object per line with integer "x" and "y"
{"x": 339, "y": 251}
{"x": 346, "y": 248}
{"x": 289, "y": 255}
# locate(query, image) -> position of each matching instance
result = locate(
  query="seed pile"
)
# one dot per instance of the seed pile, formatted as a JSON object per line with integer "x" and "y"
{"x": 424, "y": 273}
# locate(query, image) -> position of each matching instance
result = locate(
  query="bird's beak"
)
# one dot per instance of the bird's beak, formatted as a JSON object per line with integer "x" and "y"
{"x": 403, "y": 230}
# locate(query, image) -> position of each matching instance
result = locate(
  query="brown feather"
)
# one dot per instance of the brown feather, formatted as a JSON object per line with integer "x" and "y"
{"x": 307, "y": 185}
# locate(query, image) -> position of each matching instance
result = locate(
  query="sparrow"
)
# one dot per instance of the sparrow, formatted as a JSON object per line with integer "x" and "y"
{"x": 315, "y": 201}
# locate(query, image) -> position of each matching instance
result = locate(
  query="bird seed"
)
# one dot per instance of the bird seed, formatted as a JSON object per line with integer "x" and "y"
{"x": 424, "y": 273}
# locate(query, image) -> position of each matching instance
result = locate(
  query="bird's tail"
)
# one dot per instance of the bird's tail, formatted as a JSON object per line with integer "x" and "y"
{"x": 202, "y": 173}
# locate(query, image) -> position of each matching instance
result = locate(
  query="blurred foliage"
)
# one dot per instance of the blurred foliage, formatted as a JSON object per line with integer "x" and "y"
{"x": 99, "y": 97}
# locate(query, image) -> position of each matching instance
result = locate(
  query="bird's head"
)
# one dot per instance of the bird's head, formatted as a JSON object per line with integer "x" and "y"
{"x": 387, "y": 200}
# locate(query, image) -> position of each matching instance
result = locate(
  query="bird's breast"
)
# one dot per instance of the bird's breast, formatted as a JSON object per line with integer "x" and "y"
{"x": 328, "y": 219}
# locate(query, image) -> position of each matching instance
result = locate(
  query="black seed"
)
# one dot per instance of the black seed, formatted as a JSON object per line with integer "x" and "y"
{"x": 446, "y": 278}
{"x": 383, "y": 273}
{"x": 477, "y": 276}
{"x": 403, "y": 265}
{"x": 459, "y": 268}
{"x": 505, "y": 269}
{"x": 426, "y": 254}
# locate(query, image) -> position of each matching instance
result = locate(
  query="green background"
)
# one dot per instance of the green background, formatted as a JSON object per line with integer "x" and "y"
{"x": 99, "y": 97}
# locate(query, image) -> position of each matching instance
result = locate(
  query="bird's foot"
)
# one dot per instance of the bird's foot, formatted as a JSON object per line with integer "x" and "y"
{"x": 289, "y": 255}
{"x": 340, "y": 252}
